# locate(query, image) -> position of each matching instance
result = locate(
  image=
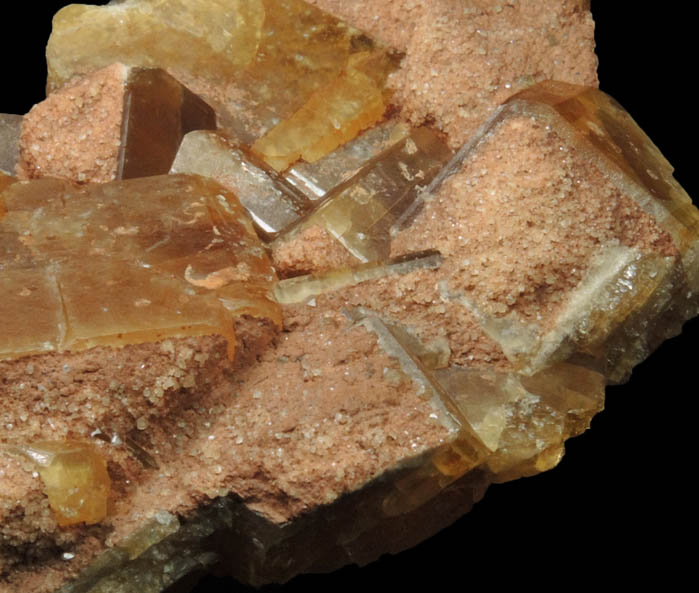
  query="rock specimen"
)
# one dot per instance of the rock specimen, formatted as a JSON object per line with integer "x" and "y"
{"x": 117, "y": 123}
{"x": 346, "y": 312}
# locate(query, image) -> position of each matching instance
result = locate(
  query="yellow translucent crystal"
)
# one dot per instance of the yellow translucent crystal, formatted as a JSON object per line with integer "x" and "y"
{"x": 283, "y": 73}
{"x": 525, "y": 420}
{"x": 362, "y": 212}
{"x": 126, "y": 262}
{"x": 331, "y": 117}
{"x": 210, "y": 37}
{"x": 75, "y": 479}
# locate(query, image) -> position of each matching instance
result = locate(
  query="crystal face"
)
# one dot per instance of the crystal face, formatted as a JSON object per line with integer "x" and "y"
{"x": 130, "y": 121}
{"x": 104, "y": 264}
{"x": 330, "y": 327}
{"x": 75, "y": 479}
{"x": 237, "y": 58}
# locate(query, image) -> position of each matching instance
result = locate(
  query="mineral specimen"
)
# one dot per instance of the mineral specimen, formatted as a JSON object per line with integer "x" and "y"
{"x": 462, "y": 268}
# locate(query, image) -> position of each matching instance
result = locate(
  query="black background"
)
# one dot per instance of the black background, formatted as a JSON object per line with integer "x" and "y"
{"x": 616, "y": 509}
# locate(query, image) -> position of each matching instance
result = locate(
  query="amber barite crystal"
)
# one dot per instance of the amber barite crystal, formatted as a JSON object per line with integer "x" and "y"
{"x": 126, "y": 262}
{"x": 75, "y": 479}
{"x": 288, "y": 79}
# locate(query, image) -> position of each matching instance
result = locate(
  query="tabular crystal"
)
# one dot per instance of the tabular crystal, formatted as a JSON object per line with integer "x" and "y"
{"x": 126, "y": 262}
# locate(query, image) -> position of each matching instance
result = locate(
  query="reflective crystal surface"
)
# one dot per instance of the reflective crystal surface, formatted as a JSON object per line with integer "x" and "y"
{"x": 9, "y": 142}
{"x": 362, "y": 212}
{"x": 273, "y": 204}
{"x": 126, "y": 262}
{"x": 75, "y": 479}
{"x": 316, "y": 179}
{"x": 236, "y": 56}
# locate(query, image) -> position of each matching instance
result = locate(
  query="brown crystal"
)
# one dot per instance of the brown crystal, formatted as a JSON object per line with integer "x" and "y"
{"x": 117, "y": 123}
{"x": 332, "y": 88}
{"x": 127, "y": 262}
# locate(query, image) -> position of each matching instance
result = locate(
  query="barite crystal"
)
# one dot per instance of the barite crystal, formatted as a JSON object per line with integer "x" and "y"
{"x": 10, "y": 126}
{"x": 104, "y": 264}
{"x": 403, "y": 267}
{"x": 272, "y": 204}
{"x": 285, "y": 77}
{"x": 362, "y": 212}
{"x": 118, "y": 123}
{"x": 75, "y": 479}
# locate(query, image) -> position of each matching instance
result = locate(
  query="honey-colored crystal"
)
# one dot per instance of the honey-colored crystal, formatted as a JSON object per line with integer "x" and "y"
{"x": 75, "y": 479}
{"x": 525, "y": 420}
{"x": 332, "y": 116}
{"x": 273, "y": 204}
{"x": 126, "y": 262}
{"x": 259, "y": 63}
{"x": 302, "y": 288}
{"x": 211, "y": 38}
{"x": 362, "y": 212}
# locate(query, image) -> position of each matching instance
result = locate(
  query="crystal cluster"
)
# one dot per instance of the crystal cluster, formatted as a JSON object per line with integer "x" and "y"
{"x": 250, "y": 304}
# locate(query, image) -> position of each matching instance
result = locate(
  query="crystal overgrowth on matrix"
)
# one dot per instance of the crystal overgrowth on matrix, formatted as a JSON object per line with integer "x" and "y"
{"x": 456, "y": 378}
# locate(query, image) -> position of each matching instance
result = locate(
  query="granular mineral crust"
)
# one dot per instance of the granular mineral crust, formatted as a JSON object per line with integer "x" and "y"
{"x": 463, "y": 59}
{"x": 117, "y": 123}
{"x": 392, "y": 263}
